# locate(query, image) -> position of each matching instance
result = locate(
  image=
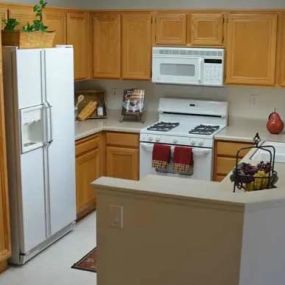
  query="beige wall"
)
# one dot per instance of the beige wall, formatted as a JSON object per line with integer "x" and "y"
{"x": 245, "y": 101}
{"x": 128, "y": 4}
{"x": 63, "y": 3}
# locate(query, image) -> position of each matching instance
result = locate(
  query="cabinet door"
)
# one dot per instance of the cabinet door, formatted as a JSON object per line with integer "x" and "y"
{"x": 55, "y": 19}
{"x": 206, "y": 29}
{"x": 4, "y": 207}
{"x": 281, "y": 50}
{"x": 106, "y": 34}
{"x": 89, "y": 166}
{"x": 170, "y": 28}
{"x": 136, "y": 45}
{"x": 3, "y": 15}
{"x": 122, "y": 162}
{"x": 23, "y": 14}
{"x": 78, "y": 27}
{"x": 251, "y": 48}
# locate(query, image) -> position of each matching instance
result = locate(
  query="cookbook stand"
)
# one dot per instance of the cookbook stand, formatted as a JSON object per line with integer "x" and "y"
{"x": 136, "y": 117}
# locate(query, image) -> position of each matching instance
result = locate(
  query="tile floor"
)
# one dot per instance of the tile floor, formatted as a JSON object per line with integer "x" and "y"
{"x": 52, "y": 266}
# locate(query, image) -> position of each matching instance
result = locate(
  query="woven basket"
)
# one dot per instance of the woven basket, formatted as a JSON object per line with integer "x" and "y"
{"x": 28, "y": 39}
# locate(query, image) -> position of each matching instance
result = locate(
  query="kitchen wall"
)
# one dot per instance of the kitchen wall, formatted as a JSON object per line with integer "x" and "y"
{"x": 132, "y": 4}
{"x": 247, "y": 102}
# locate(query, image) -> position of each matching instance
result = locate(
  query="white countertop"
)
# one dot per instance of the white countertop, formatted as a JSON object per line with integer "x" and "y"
{"x": 243, "y": 129}
{"x": 112, "y": 123}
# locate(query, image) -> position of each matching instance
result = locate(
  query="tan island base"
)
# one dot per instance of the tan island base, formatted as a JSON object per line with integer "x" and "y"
{"x": 199, "y": 234}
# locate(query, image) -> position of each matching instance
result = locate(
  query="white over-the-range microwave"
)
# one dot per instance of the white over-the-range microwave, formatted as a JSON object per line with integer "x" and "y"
{"x": 188, "y": 66}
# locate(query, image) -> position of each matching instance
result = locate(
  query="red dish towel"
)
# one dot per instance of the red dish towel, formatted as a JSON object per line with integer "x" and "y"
{"x": 183, "y": 160}
{"x": 161, "y": 156}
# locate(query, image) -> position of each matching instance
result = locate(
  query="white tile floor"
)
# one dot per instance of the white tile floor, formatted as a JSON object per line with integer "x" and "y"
{"x": 52, "y": 266}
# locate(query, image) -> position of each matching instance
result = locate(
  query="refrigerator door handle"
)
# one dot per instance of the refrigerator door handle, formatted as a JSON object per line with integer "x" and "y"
{"x": 50, "y": 130}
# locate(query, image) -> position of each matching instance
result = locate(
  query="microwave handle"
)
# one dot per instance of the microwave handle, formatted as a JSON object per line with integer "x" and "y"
{"x": 200, "y": 70}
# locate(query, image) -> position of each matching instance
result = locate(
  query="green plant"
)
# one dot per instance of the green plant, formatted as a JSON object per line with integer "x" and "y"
{"x": 37, "y": 25}
{"x": 10, "y": 24}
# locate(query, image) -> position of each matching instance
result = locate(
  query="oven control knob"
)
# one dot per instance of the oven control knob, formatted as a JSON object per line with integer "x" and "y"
{"x": 150, "y": 139}
{"x": 201, "y": 143}
{"x": 175, "y": 142}
{"x": 193, "y": 143}
{"x": 157, "y": 139}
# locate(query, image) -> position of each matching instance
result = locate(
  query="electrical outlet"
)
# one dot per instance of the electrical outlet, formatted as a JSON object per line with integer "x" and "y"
{"x": 252, "y": 100}
{"x": 116, "y": 216}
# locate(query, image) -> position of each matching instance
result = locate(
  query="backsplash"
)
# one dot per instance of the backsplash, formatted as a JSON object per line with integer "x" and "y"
{"x": 244, "y": 101}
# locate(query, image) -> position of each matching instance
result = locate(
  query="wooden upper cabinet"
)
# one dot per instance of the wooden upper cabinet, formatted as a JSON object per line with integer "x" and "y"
{"x": 136, "y": 45}
{"x": 251, "y": 48}
{"x": 3, "y": 15}
{"x": 170, "y": 28}
{"x": 78, "y": 27}
{"x": 106, "y": 32}
{"x": 281, "y": 50}
{"x": 55, "y": 19}
{"x": 24, "y": 14}
{"x": 206, "y": 29}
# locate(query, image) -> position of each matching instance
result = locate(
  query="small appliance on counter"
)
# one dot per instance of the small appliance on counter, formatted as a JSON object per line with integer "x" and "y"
{"x": 133, "y": 104}
{"x": 90, "y": 104}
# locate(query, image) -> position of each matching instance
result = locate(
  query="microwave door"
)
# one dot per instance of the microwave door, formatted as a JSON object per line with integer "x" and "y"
{"x": 32, "y": 131}
{"x": 178, "y": 70}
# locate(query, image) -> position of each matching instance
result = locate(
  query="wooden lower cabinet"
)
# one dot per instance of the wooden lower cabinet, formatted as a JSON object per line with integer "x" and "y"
{"x": 122, "y": 155}
{"x": 225, "y": 157}
{"x": 89, "y": 166}
{"x": 122, "y": 162}
{"x": 5, "y": 246}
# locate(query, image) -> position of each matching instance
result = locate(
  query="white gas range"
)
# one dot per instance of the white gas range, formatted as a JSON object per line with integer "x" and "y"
{"x": 184, "y": 122}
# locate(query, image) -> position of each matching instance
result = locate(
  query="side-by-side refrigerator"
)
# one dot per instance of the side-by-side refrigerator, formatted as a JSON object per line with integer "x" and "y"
{"x": 39, "y": 107}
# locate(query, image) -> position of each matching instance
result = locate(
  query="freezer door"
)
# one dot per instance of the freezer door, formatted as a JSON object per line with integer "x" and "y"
{"x": 32, "y": 202}
{"x": 29, "y": 77}
{"x": 61, "y": 150}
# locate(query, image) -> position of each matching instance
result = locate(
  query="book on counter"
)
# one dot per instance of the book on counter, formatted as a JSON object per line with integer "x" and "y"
{"x": 133, "y": 104}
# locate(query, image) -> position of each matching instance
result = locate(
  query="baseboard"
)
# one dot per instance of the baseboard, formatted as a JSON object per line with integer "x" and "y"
{"x": 3, "y": 266}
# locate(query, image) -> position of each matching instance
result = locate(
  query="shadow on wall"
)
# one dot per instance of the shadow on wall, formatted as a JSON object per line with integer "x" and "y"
{"x": 245, "y": 101}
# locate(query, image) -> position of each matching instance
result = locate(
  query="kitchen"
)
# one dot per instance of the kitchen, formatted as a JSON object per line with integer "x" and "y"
{"x": 253, "y": 85}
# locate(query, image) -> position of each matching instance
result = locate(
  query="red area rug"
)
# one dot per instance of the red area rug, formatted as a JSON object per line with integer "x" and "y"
{"x": 88, "y": 262}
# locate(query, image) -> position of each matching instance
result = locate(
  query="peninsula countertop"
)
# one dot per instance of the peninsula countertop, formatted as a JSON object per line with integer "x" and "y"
{"x": 112, "y": 123}
{"x": 244, "y": 129}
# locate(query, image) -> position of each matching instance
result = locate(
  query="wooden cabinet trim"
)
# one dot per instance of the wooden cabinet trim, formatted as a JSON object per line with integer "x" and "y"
{"x": 87, "y": 144}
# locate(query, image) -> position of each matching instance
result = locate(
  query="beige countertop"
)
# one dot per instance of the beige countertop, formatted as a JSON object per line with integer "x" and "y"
{"x": 112, "y": 123}
{"x": 243, "y": 129}
{"x": 208, "y": 191}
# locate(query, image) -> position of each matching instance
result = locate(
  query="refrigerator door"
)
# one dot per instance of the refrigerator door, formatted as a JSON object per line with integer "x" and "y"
{"x": 29, "y": 77}
{"x": 59, "y": 90}
{"x": 32, "y": 200}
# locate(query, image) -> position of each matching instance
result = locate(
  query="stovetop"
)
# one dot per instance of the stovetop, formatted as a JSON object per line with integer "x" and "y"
{"x": 163, "y": 126}
{"x": 204, "y": 130}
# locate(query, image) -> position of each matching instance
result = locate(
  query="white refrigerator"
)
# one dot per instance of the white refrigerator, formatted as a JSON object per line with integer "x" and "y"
{"x": 39, "y": 107}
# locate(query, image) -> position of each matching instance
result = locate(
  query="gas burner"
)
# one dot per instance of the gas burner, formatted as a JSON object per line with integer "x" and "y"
{"x": 163, "y": 127}
{"x": 204, "y": 130}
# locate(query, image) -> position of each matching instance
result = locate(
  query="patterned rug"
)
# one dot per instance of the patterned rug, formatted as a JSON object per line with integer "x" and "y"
{"x": 88, "y": 262}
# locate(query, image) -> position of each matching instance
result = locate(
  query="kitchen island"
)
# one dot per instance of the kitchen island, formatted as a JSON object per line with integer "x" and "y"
{"x": 164, "y": 230}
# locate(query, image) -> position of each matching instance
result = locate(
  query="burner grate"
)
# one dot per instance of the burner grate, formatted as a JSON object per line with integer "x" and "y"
{"x": 204, "y": 130}
{"x": 163, "y": 126}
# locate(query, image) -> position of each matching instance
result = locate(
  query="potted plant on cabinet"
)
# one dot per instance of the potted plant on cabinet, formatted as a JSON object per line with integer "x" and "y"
{"x": 35, "y": 35}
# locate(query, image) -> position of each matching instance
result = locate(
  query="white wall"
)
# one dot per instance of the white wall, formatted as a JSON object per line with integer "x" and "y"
{"x": 128, "y": 4}
{"x": 245, "y": 101}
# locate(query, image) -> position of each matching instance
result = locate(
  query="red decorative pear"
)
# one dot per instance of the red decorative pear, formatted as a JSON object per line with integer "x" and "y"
{"x": 275, "y": 125}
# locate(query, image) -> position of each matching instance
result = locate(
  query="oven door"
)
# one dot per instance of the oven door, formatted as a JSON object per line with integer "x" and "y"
{"x": 177, "y": 70}
{"x": 203, "y": 161}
